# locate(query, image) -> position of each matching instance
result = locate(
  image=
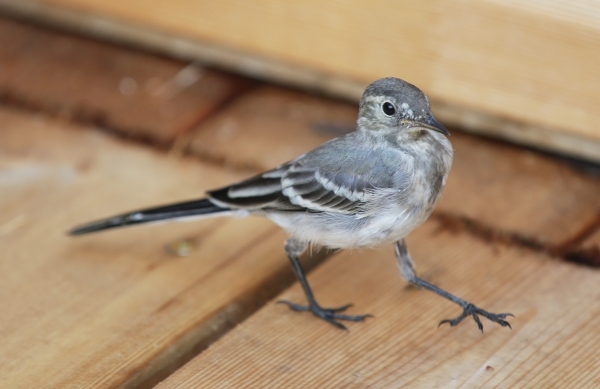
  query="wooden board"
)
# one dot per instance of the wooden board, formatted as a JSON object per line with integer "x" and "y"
{"x": 135, "y": 94}
{"x": 115, "y": 309}
{"x": 121, "y": 310}
{"x": 523, "y": 71}
{"x": 502, "y": 187}
{"x": 588, "y": 250}
{"x": 540, "y": 198}
{"x": 553, "y": 344}
{"x": 293, "y": 122}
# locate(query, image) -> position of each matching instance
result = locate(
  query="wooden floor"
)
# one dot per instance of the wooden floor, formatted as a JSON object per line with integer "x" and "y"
{"x": 88, "y": 130}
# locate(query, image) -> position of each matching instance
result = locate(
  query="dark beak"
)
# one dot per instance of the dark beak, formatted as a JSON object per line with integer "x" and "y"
{"x": 430, "y": 123}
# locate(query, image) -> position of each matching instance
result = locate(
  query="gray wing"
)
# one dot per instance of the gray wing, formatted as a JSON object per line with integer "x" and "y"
{"x": 259, "y": 192}
{"x": 336, "y": 177}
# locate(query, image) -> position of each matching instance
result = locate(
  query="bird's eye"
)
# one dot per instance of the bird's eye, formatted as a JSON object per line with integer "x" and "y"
{"x": 388, "y": 108}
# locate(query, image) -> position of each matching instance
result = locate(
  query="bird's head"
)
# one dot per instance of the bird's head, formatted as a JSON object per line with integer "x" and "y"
{"x": 392, "y": 103}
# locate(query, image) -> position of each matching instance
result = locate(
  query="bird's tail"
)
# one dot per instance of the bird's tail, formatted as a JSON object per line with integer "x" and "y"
{"x": 188, "y": 209}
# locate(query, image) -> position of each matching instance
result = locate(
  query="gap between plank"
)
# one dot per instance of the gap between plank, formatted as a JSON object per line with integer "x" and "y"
{"x": 79, "y": 115}
{"x": 195, "y": 340}
{"x": 567, "y": 250}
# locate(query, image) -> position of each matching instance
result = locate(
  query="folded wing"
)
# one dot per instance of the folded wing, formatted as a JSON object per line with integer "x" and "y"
{"x": 307, "y": 185}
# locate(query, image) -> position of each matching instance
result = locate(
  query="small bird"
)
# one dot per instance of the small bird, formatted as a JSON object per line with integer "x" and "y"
{"x": 369, "y": 187}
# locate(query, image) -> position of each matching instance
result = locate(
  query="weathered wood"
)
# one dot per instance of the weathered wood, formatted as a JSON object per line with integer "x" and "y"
{"x": 133, "y": 93}
{"x": 114, "y": 309}
{"x": 593, "y": 241}
{"x": 553, "y": 344}
{"x": 501, "y": 186}
{"x": 588, "y": 250}
{"x": 518, "y": 190}
{"x": 293, "y": 122}
{"x": 521, "y": 71}
{"x": 120, "y": 310}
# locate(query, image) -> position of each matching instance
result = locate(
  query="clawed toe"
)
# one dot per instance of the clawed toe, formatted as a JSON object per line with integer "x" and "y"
{"x": 472, "y": 310}
{"x": 330, "y": 315}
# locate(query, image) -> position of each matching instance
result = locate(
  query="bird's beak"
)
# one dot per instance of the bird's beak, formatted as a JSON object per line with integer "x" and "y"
{"x": 429, "y": 123}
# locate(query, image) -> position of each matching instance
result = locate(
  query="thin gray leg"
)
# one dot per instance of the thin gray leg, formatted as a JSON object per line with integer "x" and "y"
{"x": 407, "y": 271}
{"x": 294, "y": 249}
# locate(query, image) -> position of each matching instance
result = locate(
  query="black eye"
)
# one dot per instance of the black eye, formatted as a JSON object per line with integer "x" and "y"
{"x": 388, "y": 108}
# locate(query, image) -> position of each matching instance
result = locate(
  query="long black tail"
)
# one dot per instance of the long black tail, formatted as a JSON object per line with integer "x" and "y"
{"x": 186, "y": 209}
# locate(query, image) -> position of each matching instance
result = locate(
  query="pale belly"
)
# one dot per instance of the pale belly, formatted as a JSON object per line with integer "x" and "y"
{"x": 347, "y": 231}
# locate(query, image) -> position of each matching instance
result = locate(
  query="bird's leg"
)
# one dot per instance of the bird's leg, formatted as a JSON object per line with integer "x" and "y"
{"x": 408, "y": 273}
{"x": 294, "y": 249}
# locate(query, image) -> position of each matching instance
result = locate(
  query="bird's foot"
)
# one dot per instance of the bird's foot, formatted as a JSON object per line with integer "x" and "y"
{"x": 471, "y": 310}
{"x": 330, "y": 315}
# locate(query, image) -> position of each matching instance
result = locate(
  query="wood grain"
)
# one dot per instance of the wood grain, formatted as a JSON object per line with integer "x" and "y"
{"x": 114, "y": 309}
{"x": 553, "y": 343}
{"x": 518, "y": 190}
{"x": 120, "y": 310}
{"x": 520, "y": 71}
{"x": 588, "y": 250}
{"x": 499, "y": 185}
{"x": 136, "y": 94}
{"x": 593, "y": 241}
{"x": 293, "y": 122}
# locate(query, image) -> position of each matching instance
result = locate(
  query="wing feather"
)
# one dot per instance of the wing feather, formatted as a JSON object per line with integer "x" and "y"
{"x": 327, "y": 179}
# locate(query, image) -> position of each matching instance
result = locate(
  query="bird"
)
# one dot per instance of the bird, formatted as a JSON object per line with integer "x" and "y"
{"x": 367, "y": 188}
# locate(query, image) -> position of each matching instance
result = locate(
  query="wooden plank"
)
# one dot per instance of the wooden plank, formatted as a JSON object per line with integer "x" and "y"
{"x": 520, "y": 191}
{"x": 587, "y": 251}
{"x": 136, "y": 94}
{"x": 115, "y": 309}
{"x": 593, "y": 242}
{"x": 501, "y": 186}
{"x": 519, "y": 71}
{"x": 553, "y": 343}
{"x": 293, "y": 122}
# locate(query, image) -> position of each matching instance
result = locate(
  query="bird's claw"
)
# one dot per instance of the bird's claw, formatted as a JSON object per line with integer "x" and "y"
{"x": 330, "y": 315}
{"x": 472, "y": 310}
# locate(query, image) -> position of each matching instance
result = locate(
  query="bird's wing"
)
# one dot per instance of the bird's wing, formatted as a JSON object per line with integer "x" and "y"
{"x": 263, "y": 191}
{"x": 292, "y": 187}
{"x": 331, "y": 178}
